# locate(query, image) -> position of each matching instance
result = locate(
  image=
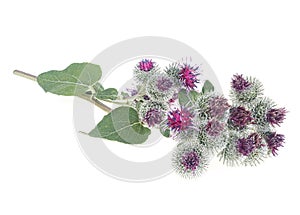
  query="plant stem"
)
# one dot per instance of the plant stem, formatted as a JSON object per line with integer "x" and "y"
{"x": 25, "y": 75}
{"x": 96, "y": 102}
{"x": 118, "y": 102}
{"x": 85, "y": 97}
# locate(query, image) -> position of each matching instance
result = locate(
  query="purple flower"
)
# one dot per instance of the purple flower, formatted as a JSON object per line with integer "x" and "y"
{"x": 218, "y": 105}
{"x": 274, "y": 141}
{"x": 256, "y": 139}
{"x": 153, "y": 117}
{"x": 240, "y": 117}
{"x": 239, "y": 83}
{"x": 188, "y": 75}
{"x": 245, "y": 146}
{"x": 146, "y": 65}
{"x": 214, "y": 128}
{"x": 190, "y": 160}
{"x": 179, "y": 120}
{"x": 276, "y": 116}
{"x": 164, "y": 83}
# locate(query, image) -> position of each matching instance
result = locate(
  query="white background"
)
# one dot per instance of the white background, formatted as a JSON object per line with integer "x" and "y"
{"x": 42, "y": 170}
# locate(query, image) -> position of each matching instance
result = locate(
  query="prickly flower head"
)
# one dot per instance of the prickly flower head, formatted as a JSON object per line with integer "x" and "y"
{"x": 189, "y": 76}
{"x": 239, "y": 117}
{"x": 153, "y": 117}
{"x": 214, "y": 128}
{"x": 239, "y": 83}
{"x": 245, "y": 90}
{"x": 218, "y": 105}
{"x": 276, "y": 116}
{"x": 160, "y": 87}
{"x": 146, "y": 65}
{"x": 180, "y": 119}
{"x": 274, "y": 141}
{"x": 189, "y": 160}
{"x": 144, "y": 70}
{"x": 245, "y": 146}
{"x": 152, "y": 113}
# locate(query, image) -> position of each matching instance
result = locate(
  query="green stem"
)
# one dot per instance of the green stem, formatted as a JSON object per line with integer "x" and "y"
{"x": 118, "y": 102}
{"x": 96, "y": 102}
{"x": 85, "y": 97}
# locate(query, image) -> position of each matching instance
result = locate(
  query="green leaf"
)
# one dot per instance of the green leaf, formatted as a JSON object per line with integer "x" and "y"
{"x": 76, "y": 79}
{"x": 194, "y": 95}
{"x": 122, "y": 124}
{"x": 207, "y": 87}
{"x": 110, "y": 94}
{"x": 98, "y": 87}
{"x": 183, "y": 97}
{"x": 187, "y": 98}
{"x": 165, "y": 132}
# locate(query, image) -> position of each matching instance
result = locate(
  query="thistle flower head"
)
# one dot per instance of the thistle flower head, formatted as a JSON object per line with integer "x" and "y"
{"x": 214, "y": 128}
{"x": 173, "y": 70}
{"x": 218, "y": 105}
{"x": 239, "y": 83}
{"x": 153, "y": 117}
{"x": 239, "y": 117}
{"x": 188, "y": 75}
{"x": 146, "y": 65}
{"x": 144, "y": 70}
{"x": 245, "y": 146}
{"x": 252, "y": 149}
{"x": 152, "y": 113}
{"x": 276, "y": 116}
{"x": 245, "y": 90}
{"x": 163, "y": 83}
{"x": 160, "y": 87}
{"x": 274, "y": 141}
{"x": 180, "y": 119}
{"x": 189, "y": 160}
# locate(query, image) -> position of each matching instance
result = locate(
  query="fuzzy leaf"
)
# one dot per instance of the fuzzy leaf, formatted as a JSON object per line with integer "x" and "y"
{"x": 186, "y": 98}
{"x": 76, "y": 79}
{"x": 98, "y": 87}
{"x": 207, "y": 87}
{"x": 193, "y": 95}
{"x": 122, "y": 124}
{"x": 183, "y": 97}
{"x": 110, "y": 94}
{"x": 165, "y": 132}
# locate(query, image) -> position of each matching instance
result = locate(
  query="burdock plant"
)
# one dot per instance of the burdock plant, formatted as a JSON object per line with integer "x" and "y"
{"x": 174, "y": 100}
